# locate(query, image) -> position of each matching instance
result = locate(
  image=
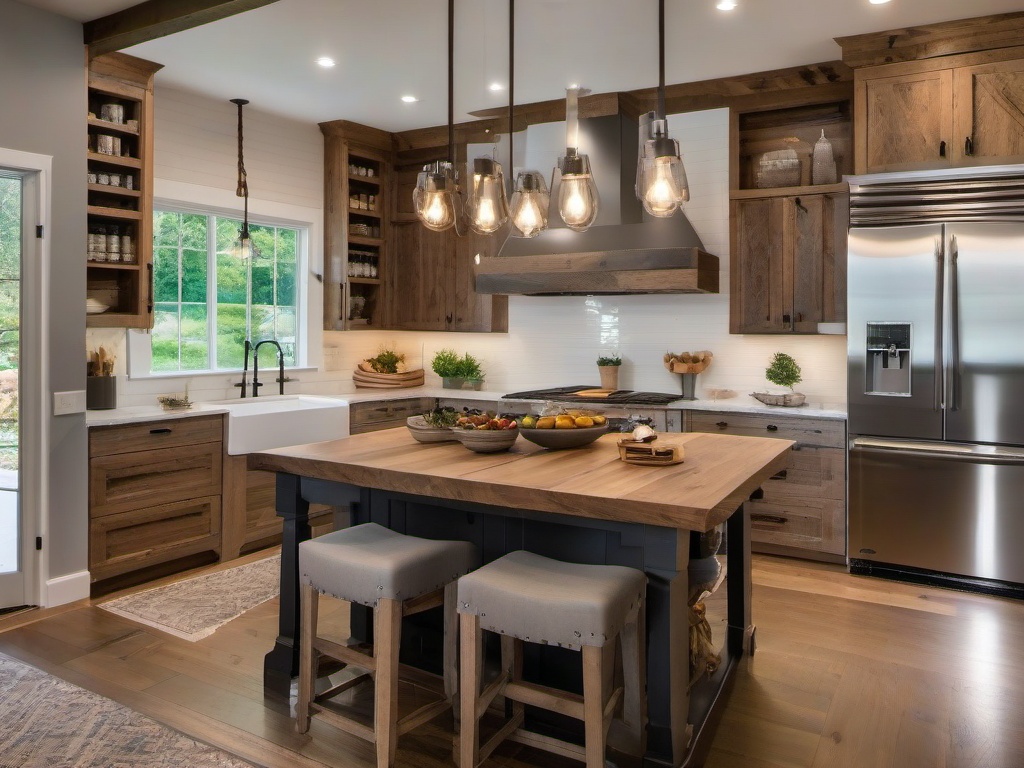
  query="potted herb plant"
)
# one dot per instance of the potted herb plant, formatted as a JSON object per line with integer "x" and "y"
{"x": 783, "y": 372}
{"x": 608, "y": 367}
{"x": 457, "y": 371}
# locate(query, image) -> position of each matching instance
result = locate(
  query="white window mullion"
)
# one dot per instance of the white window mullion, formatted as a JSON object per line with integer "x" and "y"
{"x": 211, "y": 292}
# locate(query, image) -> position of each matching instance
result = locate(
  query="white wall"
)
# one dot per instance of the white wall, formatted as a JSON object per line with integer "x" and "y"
{"x": 551, "y": 341}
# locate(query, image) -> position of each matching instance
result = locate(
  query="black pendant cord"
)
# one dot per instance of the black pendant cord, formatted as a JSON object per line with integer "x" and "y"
{"x": 511, "y": 75}
{"x": 661, "y": 59}
{"x": 243, "y": 179}
{"x": 451, "y": 82}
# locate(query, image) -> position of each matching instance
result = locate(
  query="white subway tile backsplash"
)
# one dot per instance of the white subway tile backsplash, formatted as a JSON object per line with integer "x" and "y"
{"x": 552, "y": 341}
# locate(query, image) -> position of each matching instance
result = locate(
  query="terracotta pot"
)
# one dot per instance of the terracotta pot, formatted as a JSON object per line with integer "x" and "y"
{"x": 609, "y": 376}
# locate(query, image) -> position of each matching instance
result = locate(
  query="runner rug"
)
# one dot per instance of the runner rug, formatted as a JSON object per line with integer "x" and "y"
{"x": 50, "y": 723}
{"x": 194, "y": 608}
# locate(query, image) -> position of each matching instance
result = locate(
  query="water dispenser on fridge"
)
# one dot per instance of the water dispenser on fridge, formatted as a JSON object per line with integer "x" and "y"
{"x": 887, "y": 359}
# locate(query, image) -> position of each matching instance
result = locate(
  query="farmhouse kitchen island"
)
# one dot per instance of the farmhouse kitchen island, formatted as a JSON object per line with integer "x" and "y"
{"x": 580, "y": 505}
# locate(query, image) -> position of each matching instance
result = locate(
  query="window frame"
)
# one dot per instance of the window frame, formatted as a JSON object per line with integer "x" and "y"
{"x": 139, "y": 342}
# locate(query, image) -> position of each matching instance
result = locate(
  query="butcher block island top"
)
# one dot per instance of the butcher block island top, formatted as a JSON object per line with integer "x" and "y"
{"x": 719, "y": 473}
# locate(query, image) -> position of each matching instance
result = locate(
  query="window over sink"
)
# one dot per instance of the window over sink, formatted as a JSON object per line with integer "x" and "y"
{"x": 208, "y": 299}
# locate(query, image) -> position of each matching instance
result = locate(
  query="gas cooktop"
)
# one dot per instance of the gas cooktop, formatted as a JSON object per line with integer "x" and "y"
{"x": 571, "y": 394}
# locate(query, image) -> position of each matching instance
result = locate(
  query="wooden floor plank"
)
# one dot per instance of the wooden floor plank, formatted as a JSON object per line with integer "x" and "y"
{"x": 850, "y": 672}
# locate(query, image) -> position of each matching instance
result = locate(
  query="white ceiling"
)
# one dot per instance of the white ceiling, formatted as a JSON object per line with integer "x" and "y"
{"x": 387, "y": 48}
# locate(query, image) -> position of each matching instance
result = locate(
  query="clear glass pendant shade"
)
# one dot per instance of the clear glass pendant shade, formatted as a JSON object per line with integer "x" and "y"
{"x": 529, "y": 207}
{"x": 487, "y": 206}
{"x": 434, "y": 198}
{"x": 661, "y": 178}
{"x": 578, "y": 201}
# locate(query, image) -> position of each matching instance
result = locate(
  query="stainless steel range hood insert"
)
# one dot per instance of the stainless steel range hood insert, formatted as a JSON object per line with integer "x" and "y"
{"x": 624, "y": 252}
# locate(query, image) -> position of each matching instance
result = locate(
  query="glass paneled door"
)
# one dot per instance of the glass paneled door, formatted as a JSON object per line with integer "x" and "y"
{"x": 12, "y": 535}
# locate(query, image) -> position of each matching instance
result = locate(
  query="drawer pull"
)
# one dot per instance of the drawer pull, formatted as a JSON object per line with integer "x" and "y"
{"x": 161, "y": 431}
{"x": 722, "y": 424}
{"x": 780, "y": 476}
{"x": 772, "y": 428}
{"x": 759, "y": 518}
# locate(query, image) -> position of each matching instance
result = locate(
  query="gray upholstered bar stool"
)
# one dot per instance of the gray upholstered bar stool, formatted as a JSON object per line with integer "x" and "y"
{"x": 526, "y": 597}
{"x": 398, "y": 576}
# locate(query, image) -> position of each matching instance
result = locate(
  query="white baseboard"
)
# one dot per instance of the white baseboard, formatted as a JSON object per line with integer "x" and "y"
{"x": 66, "y": 589}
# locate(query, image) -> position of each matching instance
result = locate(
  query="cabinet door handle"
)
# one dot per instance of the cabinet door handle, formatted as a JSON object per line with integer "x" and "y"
{"x": 722, "y": 424}
{"x": 786, "y": 319}
{"x": 759, "y": 518}
{"x": 161, "y": 431}
{"x": 772, "y": 428}
{"x": 780, "y": 476}
{"x": 149, "y": 301}
{"x": 942, "y": 149}
{"x": 968, "y": 146}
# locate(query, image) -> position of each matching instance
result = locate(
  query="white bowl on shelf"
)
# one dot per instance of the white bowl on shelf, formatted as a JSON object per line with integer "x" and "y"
{"x": 94, "y": 307}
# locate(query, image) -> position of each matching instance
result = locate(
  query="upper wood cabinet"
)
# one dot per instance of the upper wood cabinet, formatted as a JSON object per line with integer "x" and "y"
{"x": 119, "y": 255}
{"x": 788, "y": 265}
{"x": 788, "y": 255}
{"x": 939, "y": 113}
{"x": 432, "y": 282}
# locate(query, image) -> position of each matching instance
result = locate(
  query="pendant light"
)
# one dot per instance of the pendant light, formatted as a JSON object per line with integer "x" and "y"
{"x": 244, "y": 242}
{"x": 528, "y": 208}
{"x": 436, "y": 196}
{"x": 487, "y": 206}
{"x": 660, "y": 177}
{"x": 578, "y": 202}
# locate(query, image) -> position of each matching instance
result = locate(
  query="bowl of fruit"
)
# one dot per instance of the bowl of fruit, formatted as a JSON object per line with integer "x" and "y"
{"x": 572, "y": 429}
{"x": 486, "y": 432}
{"x": 433, "y": 426}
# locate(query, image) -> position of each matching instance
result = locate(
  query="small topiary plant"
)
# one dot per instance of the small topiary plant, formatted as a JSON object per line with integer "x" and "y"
{"x": 783, "y": 371}
{"x": 603, "y": 361}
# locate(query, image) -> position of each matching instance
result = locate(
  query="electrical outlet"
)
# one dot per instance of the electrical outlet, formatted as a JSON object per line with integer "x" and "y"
{"x": 68, "y": 402}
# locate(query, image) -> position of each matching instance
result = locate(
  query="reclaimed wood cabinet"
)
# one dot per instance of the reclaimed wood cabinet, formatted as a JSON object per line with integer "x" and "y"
{"x": 373, "y": 415}
{"x": 357, "y": 205}
{"x": 788, "y": 265}
{"x": 945, "y": 112}
{"x": 119, "y": 259}
{"x": 154, "y": 493}
{"x": 802, "y": 511}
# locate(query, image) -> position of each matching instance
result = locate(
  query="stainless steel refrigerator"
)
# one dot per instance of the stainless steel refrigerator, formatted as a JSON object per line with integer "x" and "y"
{"x": 936, "y": 377}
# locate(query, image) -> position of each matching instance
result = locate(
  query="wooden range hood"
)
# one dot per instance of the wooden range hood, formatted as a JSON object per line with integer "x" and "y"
{"x": 625, "y": 251}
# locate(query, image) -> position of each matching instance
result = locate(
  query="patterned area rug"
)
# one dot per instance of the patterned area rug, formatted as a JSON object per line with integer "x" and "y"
{"x": 49, "y": 723}
{"x": 195, "y": 608}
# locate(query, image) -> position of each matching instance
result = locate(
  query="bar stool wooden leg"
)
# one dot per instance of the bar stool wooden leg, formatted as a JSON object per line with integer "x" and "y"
{"x": 451, "y": 642}
{"x": 593, "y": 705}
{"x": 634, "y": 672}
{"x": 512, "y": 665}
{"x": 310, "y": 598}
{"x": 387, "y": 635}
{"x": 471, "y": 670}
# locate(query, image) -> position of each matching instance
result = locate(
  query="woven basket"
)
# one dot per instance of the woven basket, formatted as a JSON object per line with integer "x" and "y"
{"x": 791, "y": 400}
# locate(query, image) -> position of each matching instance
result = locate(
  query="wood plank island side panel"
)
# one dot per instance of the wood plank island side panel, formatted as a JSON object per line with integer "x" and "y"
{"x": 719, "y": 474}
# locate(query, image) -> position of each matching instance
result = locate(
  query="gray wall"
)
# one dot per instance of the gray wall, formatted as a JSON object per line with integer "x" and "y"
{"x": 43, "y": 98}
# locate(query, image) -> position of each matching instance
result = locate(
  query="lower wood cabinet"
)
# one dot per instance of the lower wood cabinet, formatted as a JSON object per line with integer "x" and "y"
{"x": 372, "y": 415}
{"x": 154, "y": 493}
{"x": 803, "y": 509}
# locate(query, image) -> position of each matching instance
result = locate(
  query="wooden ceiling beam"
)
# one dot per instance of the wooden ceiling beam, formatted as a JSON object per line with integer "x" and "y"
{"x": 1005, "y": 30}
{"x": 158, "y": 18}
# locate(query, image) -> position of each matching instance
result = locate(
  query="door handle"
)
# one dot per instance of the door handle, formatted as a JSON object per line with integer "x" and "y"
{"x": 954, "y": 324}
{"x": 939, "y": 368}
{"x": 968, "y": 146}
{"x": 772, "y": 428}
{"x": 161, "y": 431}
{"x": 942, "y": 149}
{"x": 757, "y": 517}
{"x": 722, "y": 424}
{"x": 149, "y": 301}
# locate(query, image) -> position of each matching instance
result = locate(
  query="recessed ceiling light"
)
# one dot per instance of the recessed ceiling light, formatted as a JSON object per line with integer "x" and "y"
{"x": 879, "y": 2}
{"x": 325, "y": 61}
{"x": 726, "y": 5}
{"x": 409, "y": 99}
{"x": 496, "y": 87}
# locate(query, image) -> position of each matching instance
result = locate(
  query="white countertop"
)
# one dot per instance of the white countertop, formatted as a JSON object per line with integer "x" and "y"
{"x": 739, "y": 404}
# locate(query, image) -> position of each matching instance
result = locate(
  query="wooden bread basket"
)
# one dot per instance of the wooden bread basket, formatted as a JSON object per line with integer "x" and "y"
{"x": 653, "y": 454}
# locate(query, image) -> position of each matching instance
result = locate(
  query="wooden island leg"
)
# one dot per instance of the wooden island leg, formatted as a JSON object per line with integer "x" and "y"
{"x": 282, "y": 663}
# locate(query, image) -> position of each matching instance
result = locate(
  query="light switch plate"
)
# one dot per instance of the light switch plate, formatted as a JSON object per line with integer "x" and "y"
{"x": 68, "y": 402}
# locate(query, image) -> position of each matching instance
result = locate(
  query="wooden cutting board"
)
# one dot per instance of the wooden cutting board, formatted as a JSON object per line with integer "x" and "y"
{"x": 596, "y": 393}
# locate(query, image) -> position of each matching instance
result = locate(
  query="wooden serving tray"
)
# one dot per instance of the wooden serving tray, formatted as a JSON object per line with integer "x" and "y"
{"x": 654, "y": 454}
{"x": 374, "y": 380}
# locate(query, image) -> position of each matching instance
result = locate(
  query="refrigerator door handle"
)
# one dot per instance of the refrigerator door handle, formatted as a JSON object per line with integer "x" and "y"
{"x": 940, "y": 369}
{"x": 954, "y": 325}
{"x": 977, "y": 454}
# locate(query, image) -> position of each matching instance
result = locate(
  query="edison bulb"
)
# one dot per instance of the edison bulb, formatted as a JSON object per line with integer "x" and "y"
{"x": 487, "y": 207}
{"x": 662, "y": 195}
{"x": 432, "y": 198}
{"x": 529, "y": 206}
{"x": 435, "y": 210}
{"x": 577, "y": 202}
{"x": 661, "y": 183}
